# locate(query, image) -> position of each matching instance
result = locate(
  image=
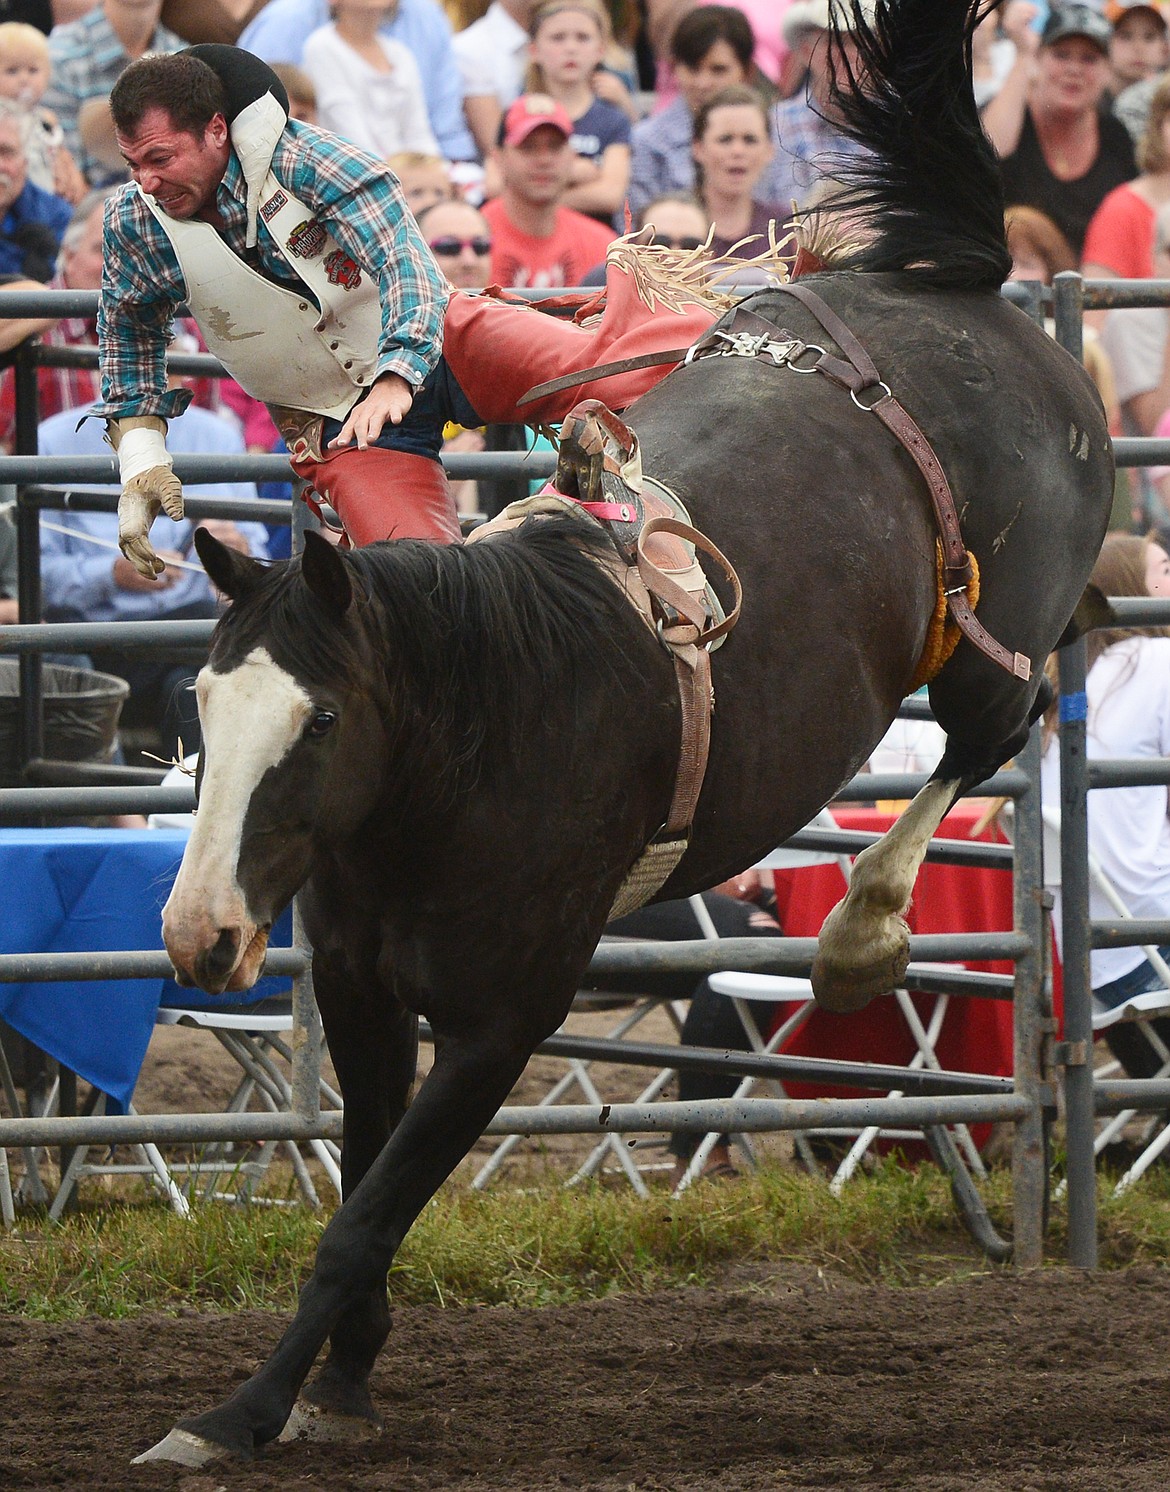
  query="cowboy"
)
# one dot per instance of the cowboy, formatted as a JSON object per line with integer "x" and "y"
{"x": 336, "y": 319}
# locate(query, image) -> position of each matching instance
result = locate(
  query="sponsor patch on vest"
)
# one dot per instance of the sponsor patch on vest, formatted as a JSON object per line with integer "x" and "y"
{"x": 307, "y": 239}
{"x": 341, "y": 270}
{"x": 269, "y": 209}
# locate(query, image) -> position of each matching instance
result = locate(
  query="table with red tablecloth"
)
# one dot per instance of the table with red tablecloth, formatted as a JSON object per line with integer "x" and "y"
{"x": 976, "y": 1034}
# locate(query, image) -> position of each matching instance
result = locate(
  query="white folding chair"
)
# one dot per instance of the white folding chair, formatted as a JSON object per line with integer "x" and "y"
{"x": 778, "y": 989}
{"x": 742, "y": 988}
{"x": 1139, "y": 1010}
{"x": 256, "y": 1041}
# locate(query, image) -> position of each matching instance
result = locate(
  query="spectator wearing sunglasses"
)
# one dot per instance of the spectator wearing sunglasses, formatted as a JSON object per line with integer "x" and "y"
{"x": 679, "y": 220}
{"x": 459, "y": 237}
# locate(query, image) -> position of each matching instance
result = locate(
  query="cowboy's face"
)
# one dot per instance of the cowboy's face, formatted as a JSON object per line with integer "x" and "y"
{"x": 180, "y": 170}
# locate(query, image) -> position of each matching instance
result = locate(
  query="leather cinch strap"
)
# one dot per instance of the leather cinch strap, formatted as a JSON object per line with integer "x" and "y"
{"x": 856, "y": 372}
{"x": 687, "y": 639}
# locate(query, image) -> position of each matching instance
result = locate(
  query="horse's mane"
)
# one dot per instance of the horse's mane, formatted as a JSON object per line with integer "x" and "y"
{"x": 478, "y": 641}
{"x": 930, "y": 192}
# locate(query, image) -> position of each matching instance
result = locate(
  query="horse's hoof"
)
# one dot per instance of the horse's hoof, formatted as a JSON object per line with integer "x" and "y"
{"x": 846, "y": 989}
{"x": 183, "y": 1449}
{"x": 308, "y": 1421}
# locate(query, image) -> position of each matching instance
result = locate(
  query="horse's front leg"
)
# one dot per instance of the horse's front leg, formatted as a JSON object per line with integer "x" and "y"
{"x": 864, "y": 944}
{"x": 373, "y": 1041}
{"x": 473, "y": 1074}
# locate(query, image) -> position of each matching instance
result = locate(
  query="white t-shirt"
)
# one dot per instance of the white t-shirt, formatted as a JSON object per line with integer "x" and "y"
{"x": 492, "y": 54}
{"x": 1135, "y": 342}
{"x": 1129, "y": 832}
{"x": 380, "y": 112}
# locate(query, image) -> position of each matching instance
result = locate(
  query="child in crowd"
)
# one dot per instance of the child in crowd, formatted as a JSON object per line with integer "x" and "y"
{"x": 24, "y": 76}
{"x": 569, "y": 39}
{"x": 369, "y": 89}
{"x": 302, "y": 96}
{"x": 424, "y": 179}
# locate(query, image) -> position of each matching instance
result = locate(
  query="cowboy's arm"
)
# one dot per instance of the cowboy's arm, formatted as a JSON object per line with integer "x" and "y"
{"x": 138, "y": 300}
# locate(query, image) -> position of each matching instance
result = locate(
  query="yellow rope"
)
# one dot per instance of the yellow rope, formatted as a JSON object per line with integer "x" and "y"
{"x": 942, "y": 636}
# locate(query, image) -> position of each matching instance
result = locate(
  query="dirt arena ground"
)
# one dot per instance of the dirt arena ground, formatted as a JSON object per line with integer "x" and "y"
{"x": 780, "y": 1378}
{"x": 787, "y": 1380}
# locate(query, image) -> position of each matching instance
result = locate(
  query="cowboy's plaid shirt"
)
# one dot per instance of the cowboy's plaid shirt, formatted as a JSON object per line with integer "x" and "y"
{"x": 356, "y": 198}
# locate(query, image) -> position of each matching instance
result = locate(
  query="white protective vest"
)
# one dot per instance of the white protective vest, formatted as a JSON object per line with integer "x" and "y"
{"x": 274, "y": 342}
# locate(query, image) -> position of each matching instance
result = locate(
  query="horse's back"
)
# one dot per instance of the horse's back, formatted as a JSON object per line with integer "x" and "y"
{"x": 830, "y": 524}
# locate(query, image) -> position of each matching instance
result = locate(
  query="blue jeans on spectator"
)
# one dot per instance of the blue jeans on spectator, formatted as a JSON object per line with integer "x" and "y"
{"x": 1126, "y": 1041}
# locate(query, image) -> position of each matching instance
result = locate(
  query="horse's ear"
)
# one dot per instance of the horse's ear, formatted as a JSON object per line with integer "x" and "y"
{"x": 231, "y": 572}
{"x": 326, "y": 574}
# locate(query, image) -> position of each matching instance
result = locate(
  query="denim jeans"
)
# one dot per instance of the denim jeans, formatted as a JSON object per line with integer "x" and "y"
{"x": 1127, "y": 1041}
{"x": 1137, "y": 982}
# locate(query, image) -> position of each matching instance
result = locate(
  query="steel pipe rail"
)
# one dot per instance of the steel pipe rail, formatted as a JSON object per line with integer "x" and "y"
{"x": 1133, "y": 932}
{"x": 76, "y": 471}
{"x": 774, "y": 1065}
{"x": 53, "y": 772}
{"x": 1140, "y": 450}
{"x": 868, "y": 786}
{"x": 1141, "y": 611}
{"x": 80, "y": 500}
{"x": 1147, "y": 1095}
{"x": 758, "y": 1115}
{"x": 169, "y": 1129}
{"x": 784, "y": 955}
{"x": 941, "y": 851}
{"x": 739, "y": 1116}
{"x": 82, "y": 637}
{"x": 140, "y": 963}
{"x": 21, "y": 304}
{"x": 96, "y": 802}
{"x": 1142, "y": 771}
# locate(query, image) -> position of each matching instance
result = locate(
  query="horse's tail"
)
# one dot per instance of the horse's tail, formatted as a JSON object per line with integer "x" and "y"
{"x": 928, "y": 187}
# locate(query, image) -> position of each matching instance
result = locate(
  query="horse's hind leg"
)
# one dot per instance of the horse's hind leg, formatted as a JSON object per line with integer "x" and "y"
{"x": 864, "y": 944}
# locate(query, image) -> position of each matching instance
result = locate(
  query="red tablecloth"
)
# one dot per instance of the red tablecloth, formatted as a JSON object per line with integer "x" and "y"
{"x": 977, "y": 1033}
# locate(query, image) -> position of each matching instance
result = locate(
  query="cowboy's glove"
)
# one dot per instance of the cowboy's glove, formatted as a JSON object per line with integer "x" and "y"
{"x": 148, "y": 485}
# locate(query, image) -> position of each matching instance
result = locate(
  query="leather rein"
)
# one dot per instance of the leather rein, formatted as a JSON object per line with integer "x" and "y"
{"x": 750, "y": 335}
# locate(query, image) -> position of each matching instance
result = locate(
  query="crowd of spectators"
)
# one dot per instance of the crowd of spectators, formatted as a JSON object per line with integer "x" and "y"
{"x": 539, "y": 130}
{"x": 530, "y": 133}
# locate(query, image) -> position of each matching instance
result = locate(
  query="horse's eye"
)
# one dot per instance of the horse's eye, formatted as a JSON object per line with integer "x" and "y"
{"x": 321, "y": 724}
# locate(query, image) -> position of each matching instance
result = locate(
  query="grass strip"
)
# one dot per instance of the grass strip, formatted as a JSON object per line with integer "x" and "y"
{"x": 542, "y": 1246}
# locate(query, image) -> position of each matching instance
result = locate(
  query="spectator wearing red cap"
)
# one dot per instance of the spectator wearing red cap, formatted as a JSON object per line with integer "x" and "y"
{"x": 537, "y": 242}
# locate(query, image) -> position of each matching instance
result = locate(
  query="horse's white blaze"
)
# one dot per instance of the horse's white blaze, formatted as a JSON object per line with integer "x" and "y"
{"x": 251, "y": 718}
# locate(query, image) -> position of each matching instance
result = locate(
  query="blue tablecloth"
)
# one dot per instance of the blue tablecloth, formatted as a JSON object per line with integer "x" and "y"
{"x": 95, "y": 890}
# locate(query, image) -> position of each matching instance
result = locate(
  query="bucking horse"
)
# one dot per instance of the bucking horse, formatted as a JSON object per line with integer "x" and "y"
{"x": 463, "y": 756}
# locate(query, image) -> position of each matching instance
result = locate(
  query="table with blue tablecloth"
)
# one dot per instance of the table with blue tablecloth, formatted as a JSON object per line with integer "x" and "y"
{"x": 96, "y": 890}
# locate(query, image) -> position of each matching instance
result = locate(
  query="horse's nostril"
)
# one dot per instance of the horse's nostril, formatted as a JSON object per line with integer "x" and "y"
{"x": 226, "y": 947}
{"x": 214, "y": 965}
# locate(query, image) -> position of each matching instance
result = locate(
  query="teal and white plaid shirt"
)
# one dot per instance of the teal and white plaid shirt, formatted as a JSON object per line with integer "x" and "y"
{"x": 353, "y": 195}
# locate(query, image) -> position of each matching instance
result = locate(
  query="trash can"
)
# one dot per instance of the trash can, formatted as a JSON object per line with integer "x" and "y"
{"x": 81, "y": 710}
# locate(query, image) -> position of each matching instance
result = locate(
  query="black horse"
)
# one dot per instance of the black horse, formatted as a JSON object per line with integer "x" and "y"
{"x": 459, "y": 752}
